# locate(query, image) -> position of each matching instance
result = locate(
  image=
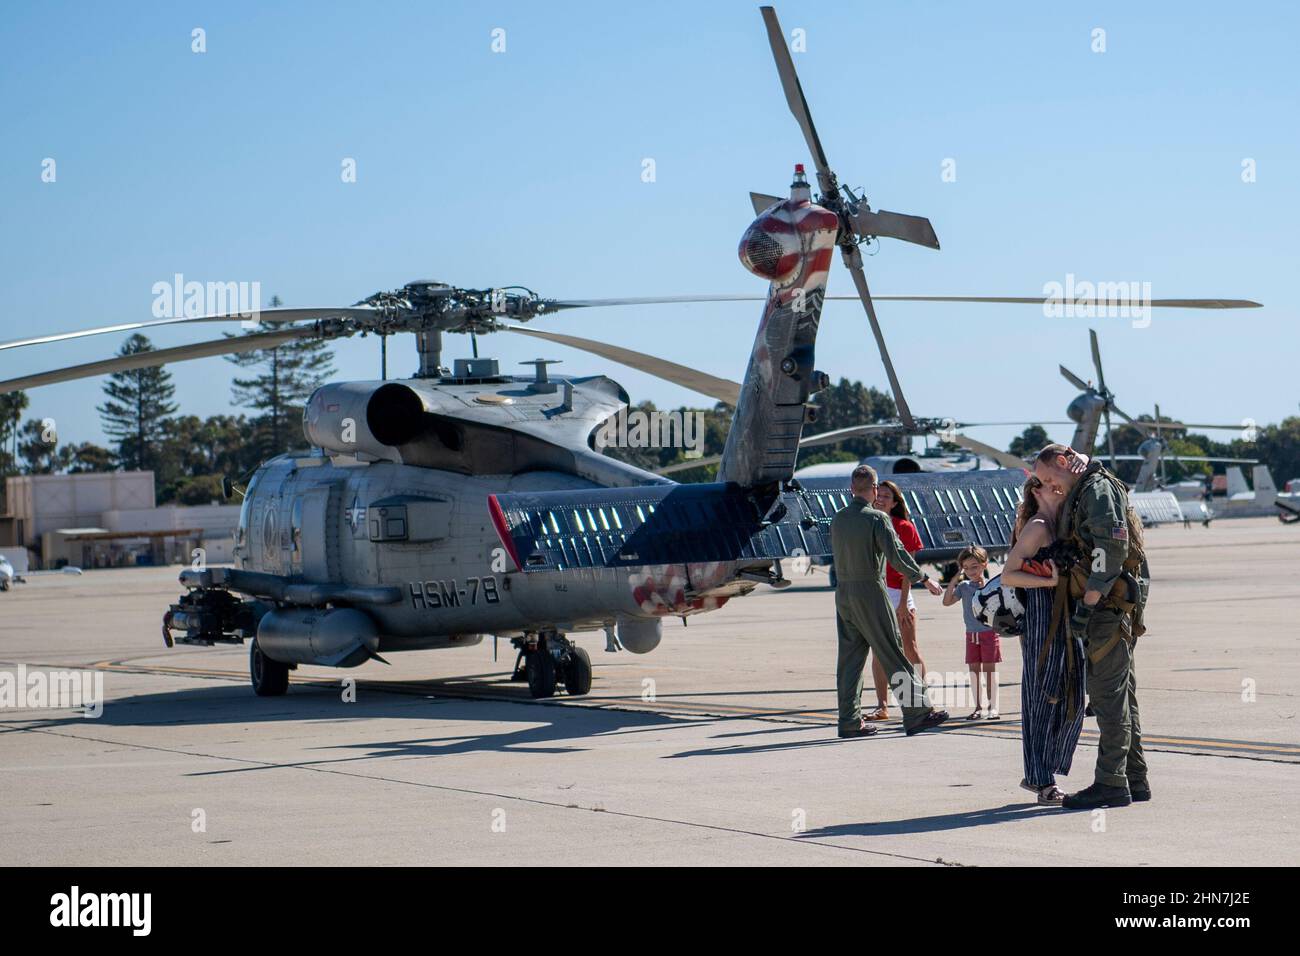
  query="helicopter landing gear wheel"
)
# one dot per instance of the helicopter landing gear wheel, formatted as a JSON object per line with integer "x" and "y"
{"x": 577, "y": 672}
{"x": 540, "y": 665}
{"x": 270, "y": 678}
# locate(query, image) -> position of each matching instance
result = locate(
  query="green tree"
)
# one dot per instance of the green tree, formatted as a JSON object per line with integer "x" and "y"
{"x": 139, "y": 401}
{"x": 85, "y": 457}
{"x": 1277, "y": 446}
{"x": 12, "y": 406}
{"x": 1029, "y": 442}
{"x": 284, "y": 377}
{"x": 839, "y": 406}
{"x": 41, "y": 457}
{"x": 198, "y": 452}
{"x": 844, "y": 405}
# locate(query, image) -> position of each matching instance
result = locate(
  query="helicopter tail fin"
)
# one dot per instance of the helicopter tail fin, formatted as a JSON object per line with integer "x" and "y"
{"x": 1265, "y": 490}
{"x": 1236, "y": 482}
{"x": 790, "y": 244}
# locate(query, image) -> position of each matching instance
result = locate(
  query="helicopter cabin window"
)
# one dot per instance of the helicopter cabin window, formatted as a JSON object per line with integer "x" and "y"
{"x": 241, "y": 532}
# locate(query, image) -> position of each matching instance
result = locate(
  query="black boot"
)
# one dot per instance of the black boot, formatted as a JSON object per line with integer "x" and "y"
{"x": 1098, "y": 795}
{"x": 863, "y": 729}
{"x": 1141, "y": 792}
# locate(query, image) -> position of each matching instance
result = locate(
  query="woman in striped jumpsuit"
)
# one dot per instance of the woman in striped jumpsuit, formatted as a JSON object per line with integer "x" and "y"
{"x": 1052, "y": 681}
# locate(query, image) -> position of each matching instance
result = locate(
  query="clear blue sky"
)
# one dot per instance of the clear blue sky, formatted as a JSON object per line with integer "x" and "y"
{"x": 485, "y": 169}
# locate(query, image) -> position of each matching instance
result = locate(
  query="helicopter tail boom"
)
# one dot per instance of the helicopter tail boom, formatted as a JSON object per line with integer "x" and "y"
{"x": 791, "y": 245}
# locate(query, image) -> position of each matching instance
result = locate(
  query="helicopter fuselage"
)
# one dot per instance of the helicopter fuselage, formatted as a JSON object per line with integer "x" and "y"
{"x": 430, "y": 534}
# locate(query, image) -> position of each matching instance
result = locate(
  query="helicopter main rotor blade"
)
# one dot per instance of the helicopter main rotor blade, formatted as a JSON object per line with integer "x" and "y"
{"x": 1110, "y": 440}
{"x": 1226, "y": 461}
{"x": 265, "y": 316}
{"x": 1040, "y": 300}
{"x": 1111, "y": 407}
{"x": 1176, "y": 426}
{"x": 688, "y": 465}
{"x": 992, "y": 424}
{"x": 846, "y": 434}
{"x": 1003, "y": 458}
{"x": 556, "y": 305}
{"x": 1096, "y": 359}
{"x": 181, "y": 353}
{"x": 853, "y": 262}
{"x": 811, "y": 441}
{"x": 794, "y": 95}
{"x": 1074, "y": 379}
{"x": 720, "y": 388}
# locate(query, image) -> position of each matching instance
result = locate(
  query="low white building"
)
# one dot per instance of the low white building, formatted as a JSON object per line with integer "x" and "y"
{"x": 41, "y": 503}
{"x": 110, "y": 519}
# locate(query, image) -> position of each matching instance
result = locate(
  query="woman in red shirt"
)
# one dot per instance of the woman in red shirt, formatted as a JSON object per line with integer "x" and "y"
{"x": 889, "y": 499}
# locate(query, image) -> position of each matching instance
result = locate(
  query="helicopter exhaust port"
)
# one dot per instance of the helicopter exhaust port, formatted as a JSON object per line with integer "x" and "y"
{"x": 367, "y": 417}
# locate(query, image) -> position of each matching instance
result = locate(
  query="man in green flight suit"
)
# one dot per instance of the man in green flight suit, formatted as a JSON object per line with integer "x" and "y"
{"x": 1108, "y": 592}
{"x": 862, "y": 540}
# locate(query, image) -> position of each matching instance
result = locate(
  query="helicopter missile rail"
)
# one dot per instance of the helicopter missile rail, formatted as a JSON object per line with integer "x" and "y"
{"x": 258, "y": 584}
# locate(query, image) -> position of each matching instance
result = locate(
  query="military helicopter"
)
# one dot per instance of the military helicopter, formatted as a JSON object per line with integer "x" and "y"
{"x": 463, "y": 502}
{"x": 1097, "y": 402}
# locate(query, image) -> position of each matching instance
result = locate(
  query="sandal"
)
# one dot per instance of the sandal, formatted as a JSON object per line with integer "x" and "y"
{"x": 977, "y": 715}
{"x": 1050, "y": 796}
{"x": 880, "y": 713}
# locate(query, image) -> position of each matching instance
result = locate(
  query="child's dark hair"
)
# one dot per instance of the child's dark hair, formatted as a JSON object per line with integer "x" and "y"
{"x": 974, "y": 551}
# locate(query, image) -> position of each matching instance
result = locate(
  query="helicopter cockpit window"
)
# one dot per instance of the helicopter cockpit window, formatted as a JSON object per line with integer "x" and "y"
{"x": 241, "y": 533}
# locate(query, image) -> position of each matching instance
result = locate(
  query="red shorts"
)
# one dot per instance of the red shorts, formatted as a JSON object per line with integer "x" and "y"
{"x": 983, "y": 647}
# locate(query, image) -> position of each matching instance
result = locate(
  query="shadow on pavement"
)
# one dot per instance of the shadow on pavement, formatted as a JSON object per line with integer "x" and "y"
{"x": 1007, "y": 813}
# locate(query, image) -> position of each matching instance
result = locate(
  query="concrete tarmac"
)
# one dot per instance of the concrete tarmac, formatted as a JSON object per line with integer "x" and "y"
{"x": 717, "y": 748}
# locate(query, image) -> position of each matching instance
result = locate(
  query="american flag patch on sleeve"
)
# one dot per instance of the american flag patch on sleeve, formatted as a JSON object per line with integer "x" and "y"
{"x": 1119, "y": 532}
